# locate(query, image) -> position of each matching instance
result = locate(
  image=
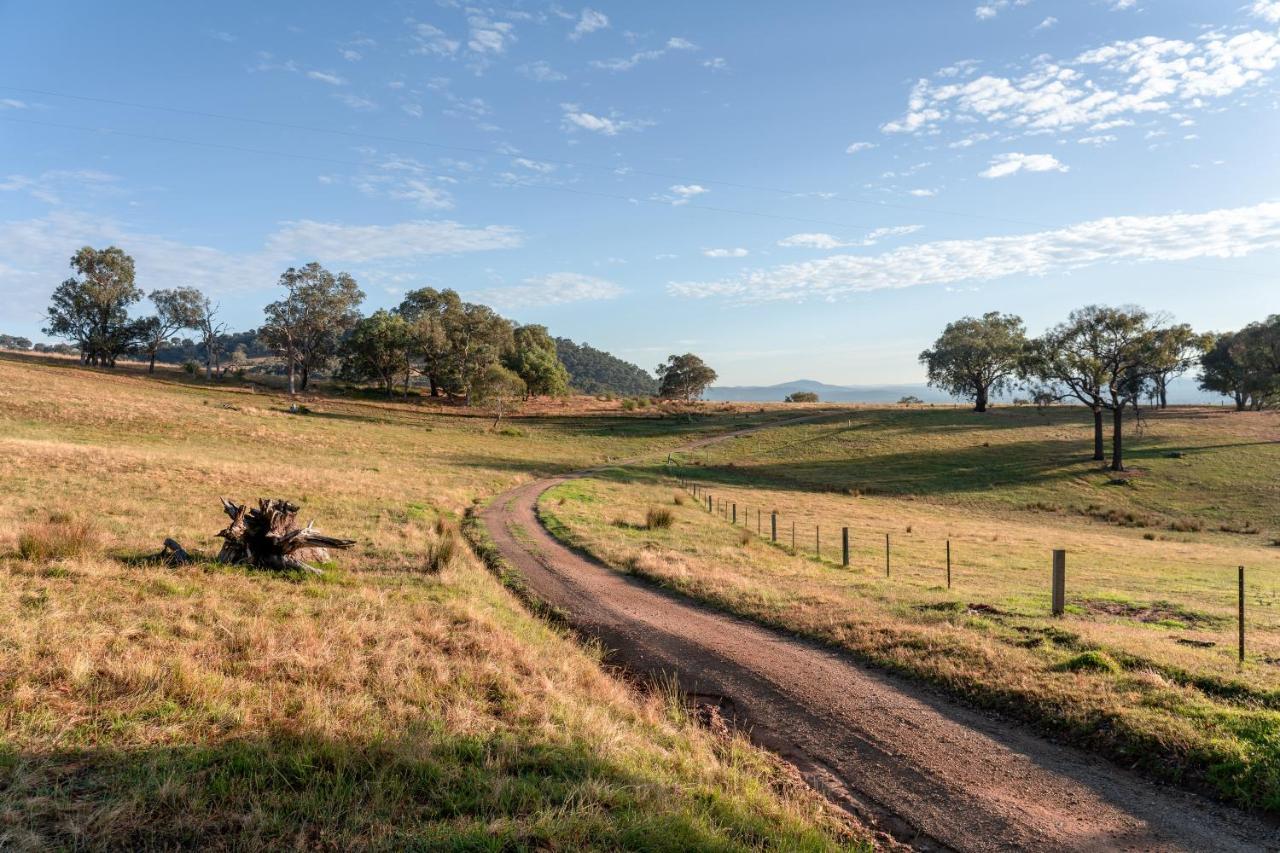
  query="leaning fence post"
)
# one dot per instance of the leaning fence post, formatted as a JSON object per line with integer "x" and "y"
{"x": 844, "y": 547}
{"x": 1241, "y": 600}
{"x": 773, "y": 525}
{"x": 1059, "y": 582}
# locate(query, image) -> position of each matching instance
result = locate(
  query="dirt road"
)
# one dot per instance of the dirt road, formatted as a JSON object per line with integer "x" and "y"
{"x": 929, "y": 773}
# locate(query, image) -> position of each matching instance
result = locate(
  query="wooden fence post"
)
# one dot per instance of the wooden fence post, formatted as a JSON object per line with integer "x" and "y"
{"x": 759, "y": 528}
{"x": 948, "y": 564}
{"x": 886, "y": 555}
{"x": 735, "y": 513}
{"x": 773, "y": 525}
{"x": 1241, "y": 602}
{"x": 793, "y": 537}
{"x": 844, "y": 547}
{"x": 1059, "y": 582}
{"x": 817, "y": 541}
{"x": 708, "y": 503}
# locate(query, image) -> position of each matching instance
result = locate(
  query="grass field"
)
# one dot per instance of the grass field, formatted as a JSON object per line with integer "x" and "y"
{"x": 399, "y": 702}
{"x": 1143, "y": 666}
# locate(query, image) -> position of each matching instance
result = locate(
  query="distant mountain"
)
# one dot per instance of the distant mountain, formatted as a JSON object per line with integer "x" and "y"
{"x": 1181, "y": 391}
{"x": 594, "y": 371}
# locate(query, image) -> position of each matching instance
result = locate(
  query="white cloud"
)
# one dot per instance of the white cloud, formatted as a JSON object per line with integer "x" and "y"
{"x": 1048, "y": 23}
{"x": 677, "y": 43}
{"x": 340, "y": 243}
{"x": 827, "y": 241}
{"x": 738, "y": 252}
{"x": 1268, "y": 10}
{"x": 555, "y": 288}
{"x": 626, "y": 63}
{"x": 1227, "y": 233}
{"x": 53, "y": 186}
{"x": 1004, "y": 165}
{"x": 327, "y": 77}
{"x": 541, "y": 71}
{"x": 534, "y": 165}
{"x": 922, "y": 193}
{"x": 611, "y": 125}
{"x": 684, "y": 192}
{"x": 350, "y": 55}
{"x": 855, "y": 147}
{"x": 1100, "y": 139}
{"x": 356, "y": 102}
{"x": 992, "y": 8}
{"x": 429, "y": 40}
{"x": 715, "y": 63}
{"x": 488, "y": 36}
{"x": 1120, "y": 81}
{"x": 589, "y": 22}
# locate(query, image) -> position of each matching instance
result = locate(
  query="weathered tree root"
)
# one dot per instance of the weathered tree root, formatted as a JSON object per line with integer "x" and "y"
{"x": 269, "y": 537}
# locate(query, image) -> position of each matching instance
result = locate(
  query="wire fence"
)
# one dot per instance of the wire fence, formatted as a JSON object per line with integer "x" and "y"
{"x": 842, "y": 546}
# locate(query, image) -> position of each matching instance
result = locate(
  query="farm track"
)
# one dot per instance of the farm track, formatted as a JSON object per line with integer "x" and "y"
{"x": 919, "y": 769}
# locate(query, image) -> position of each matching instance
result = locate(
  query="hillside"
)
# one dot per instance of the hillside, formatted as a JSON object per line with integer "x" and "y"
{"x": 404, "y": 700}
{"x": 593, "y": 371}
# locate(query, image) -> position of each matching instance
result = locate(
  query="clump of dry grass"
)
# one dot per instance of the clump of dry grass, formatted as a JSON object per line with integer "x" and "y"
{"x": 745, "y": 537}
{"x": 658, "y": 518}
{"x": 61, "y": 535}
{"x": 678, "y": 499}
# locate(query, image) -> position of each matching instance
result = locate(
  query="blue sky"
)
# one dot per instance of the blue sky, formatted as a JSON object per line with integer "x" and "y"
{"x": 791, "y": 190}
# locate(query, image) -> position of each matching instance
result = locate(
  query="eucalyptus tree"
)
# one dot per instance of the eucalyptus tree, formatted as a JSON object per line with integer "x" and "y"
{"x": 976, "y": 357}
{"x": 91, "y": 308}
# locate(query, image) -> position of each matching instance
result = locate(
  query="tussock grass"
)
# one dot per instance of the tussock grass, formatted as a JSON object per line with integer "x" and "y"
{"x": 61, "y": 535}
{"x": 658, "y": 518}
{"x": 378, "y": 707}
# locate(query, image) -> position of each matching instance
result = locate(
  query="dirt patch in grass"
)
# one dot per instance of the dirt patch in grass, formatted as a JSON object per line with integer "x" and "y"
{"x": 1157, "y": 612}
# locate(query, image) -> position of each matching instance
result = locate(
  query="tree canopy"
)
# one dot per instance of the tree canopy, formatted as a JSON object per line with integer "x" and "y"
{"x": 306, "y": 326}
{"x": 594, "y": 371}
{"x": 976, "y": 357}
{"x": 534, "y": 359}
{"x": 684, "y": 377}
{"x": 91, "y": 308}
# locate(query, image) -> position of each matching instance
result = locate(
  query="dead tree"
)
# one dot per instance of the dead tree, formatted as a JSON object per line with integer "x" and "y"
{"x": 269, "y": 537}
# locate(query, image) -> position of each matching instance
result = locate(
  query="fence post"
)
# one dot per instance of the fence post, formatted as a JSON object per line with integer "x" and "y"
{"x": 759, "y": 528}
{"x": 708, "y": 503}
{"x": 773, "y": 526}
{"x": 735, "y": 513}
{"x": 844, "y": 547}
{"x": 1059, "y": 582}
{"x": 817, "y": 542}
{"x": 886, "y": 555}
{"x": 1242, "y": 614}
{"x": 948, "y": 564}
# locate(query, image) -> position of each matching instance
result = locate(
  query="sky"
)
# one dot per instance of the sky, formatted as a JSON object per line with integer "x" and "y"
{"x": 800, "y": 190}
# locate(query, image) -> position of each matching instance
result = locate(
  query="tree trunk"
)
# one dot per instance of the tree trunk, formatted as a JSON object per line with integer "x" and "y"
{"x": 980, "y": 404}
{"x": 435, "y": 389}
{"x": 306, "y": 375}
{"x": 269, "y": 537}
{"x": 151, "y": 368}
{"x": 1098, "y": 453}
{"x": 1117, "y": 438}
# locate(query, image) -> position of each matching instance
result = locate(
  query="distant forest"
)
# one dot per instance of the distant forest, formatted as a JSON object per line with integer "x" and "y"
{"x": 594, "y": 371}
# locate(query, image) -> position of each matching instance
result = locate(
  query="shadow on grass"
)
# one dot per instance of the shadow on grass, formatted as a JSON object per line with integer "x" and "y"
{"x": 428, "y": 791}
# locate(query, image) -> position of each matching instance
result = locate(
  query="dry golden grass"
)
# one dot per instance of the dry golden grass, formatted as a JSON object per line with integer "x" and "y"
{"x": 1160, "y": 604}
{"x": 61, "y": 535}
{"x": 405, "y": 700}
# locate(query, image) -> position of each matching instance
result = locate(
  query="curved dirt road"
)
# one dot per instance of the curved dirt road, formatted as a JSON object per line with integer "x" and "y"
{"x": 929, "y": 773}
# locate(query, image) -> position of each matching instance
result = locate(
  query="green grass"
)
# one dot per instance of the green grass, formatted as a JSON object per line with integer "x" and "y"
{"x": 1143, "y": 666}
{"x": 401, "y": 701}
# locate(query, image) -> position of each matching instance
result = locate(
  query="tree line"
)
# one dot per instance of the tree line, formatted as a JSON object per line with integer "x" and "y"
{"x": 1108, "y": 359}
{"x": 455, "y": 348}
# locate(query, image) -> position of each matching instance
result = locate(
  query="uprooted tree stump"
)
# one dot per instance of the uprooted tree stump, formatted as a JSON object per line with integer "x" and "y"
{"x": 269, "y": 537}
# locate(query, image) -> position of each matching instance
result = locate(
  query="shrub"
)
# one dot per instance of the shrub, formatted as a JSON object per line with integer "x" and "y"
{"x": 1088, "y": 662}
{"x": 61, "y": 536}
{"x": 628, "y": 405}
{"x": 801, "y": 397}
{"x": 190, "y": 367}
{"x": 658, "y": 518}
{"x": 441, "y": 553}
{"x": 1186, "y": 525}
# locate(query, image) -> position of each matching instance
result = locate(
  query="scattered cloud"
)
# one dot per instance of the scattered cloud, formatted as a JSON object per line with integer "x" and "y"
{"x": 1226, "y": 233}
{"x": 575, "y": 118}
{"x": 922, "y": 193}
{"x": 488, "y": 36}
{"x": 683, "y": 192}
{"x": 430, "y": 40}
{"x": 1268, "y": 10}
{"x": 626, "y": 63}
{"x": 12, "y": 104}
{"x": 738, "y": 252}
{"x": 992, "y": 8}
{"x": 1004, "y": 165}
{"x": 715, "y": 63}
{"x": 339, "y": 243}
{"x": 827, "y": 241}
{"x": 855, "y": 147}
{"x": 356, "y": 102}
{"x": 327, "y": 77}
{"x": 541, "y": 71}
{"x": 1120, "y": 81}
{"x": 677, "y": 43}
{"x": 555, "y": 288}
{"x": 588, "y": 22}
{"x": 1047, "y": 24}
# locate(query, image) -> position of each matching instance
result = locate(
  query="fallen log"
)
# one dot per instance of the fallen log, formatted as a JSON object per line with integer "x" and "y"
{"x": 174, "y": 554}
{"x": 269, "y": 537}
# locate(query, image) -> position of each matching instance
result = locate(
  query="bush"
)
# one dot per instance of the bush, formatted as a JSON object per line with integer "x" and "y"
{"x": 658, "y": 518}
{"x": 628, "y": 405}
{"x": 61, "y": 536}
{"x": 190, "y": 367}
{"x": 801, "y": 397}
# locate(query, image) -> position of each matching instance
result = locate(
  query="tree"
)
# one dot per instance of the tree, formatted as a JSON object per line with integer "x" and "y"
{"x": 1260, "y": 354}
{"x": 307, "y": 325}
{"x": 378, "y": 348}
{"x": 211, "y": 331}
{"x": 684, "y": 377}
{"x": 431, "y": 313}
{"x": 1178, "y": 348}
{"x": 92, "y": 307}
{"x": 1069, "y": 359}
{"x": 1223, "y": 369}
{"x": 801, "y": 397}
{"x": 176, "y": 309}
{"x": 977, "y": 356}
{"x": 14, "y": 342}
{"x": 477, "y": 339}
{"x": 534, "y": 359}
{"x": 500, "y": 387}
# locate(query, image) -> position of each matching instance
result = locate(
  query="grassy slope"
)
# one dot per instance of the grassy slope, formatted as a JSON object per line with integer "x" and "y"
{"x": 1161, "y": 608}
{"x": 381, "y": 707}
